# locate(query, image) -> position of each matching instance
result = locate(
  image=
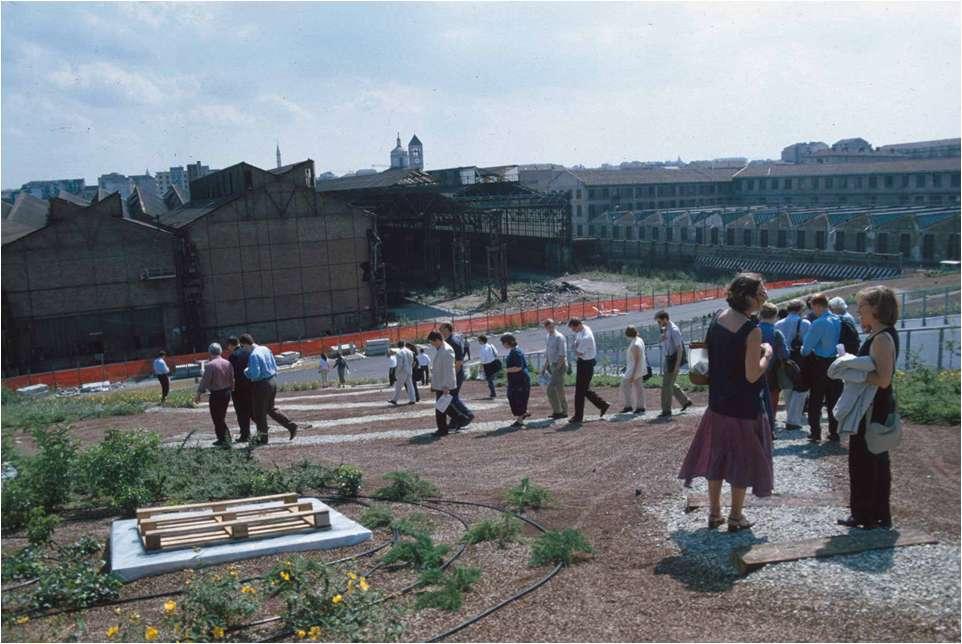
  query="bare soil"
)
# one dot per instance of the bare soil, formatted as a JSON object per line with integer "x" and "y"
{"x": 603, "y": 476}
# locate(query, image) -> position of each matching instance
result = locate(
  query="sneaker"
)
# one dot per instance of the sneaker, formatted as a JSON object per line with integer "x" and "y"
{"x": 626, "y": 410}
{"x": 601, "y": 410}
{"x": 293, "y": 431}
{"x": 393, "y": 402}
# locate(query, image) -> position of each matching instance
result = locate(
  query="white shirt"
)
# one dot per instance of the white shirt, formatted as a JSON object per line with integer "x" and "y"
{"x": 160, "y": 367}
{"x": 555, "y": 347}
{"x": 393, "y": 361}
{"x": 585, "y": 348}
{"x": 423, "y": 359}
{"x": 630, "y": 360}
{"x": 671, "y": 340}
{"x": 488, "y": 353}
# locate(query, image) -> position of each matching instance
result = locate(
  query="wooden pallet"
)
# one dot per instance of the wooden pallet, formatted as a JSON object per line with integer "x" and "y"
{"x": 202, "y": 524}
{"x": 753, "y": 557}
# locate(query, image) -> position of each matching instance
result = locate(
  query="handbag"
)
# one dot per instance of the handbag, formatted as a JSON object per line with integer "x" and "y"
{"x": 883, "y": 437}
{"x": 698, "y": 363}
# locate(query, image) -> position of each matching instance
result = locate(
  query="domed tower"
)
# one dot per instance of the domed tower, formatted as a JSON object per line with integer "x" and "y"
{"x": 416, "y": 153}
{"x": 399, "y": 156}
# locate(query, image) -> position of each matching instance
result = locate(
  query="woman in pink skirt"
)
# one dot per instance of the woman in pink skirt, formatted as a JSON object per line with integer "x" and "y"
{"x": 733, "y": 442}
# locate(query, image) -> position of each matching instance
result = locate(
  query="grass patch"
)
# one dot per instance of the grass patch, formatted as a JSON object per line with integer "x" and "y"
{"x": 927, "y": 396}
{"x": 556, "y": 547}
{"x": 526, "y": 495}
{"x": 23, "y": 412}
{"x": 503, "y": 531}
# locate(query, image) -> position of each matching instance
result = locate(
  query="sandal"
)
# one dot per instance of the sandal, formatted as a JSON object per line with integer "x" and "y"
{"x": 715, "y": 521}
{"x": 741, "y": 523}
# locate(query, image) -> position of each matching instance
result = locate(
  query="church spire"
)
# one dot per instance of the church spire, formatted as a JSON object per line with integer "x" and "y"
{"x": 278, "y": 154}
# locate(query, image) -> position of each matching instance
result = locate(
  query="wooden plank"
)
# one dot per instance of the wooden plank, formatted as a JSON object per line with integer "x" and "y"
{"x": 754, "y": 557}
{"x": 695, "y": 501}
{"x": 166, "y": 509}
{"x": 249, "y": 521}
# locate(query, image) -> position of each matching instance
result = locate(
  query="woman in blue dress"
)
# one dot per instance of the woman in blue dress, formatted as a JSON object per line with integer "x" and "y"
{"x": 519, "y": 384}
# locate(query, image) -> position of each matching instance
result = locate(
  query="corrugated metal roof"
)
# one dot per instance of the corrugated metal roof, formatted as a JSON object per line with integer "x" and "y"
{"x": 756, "y": 170}
{"x": 193, "y": 211}
{"x": 937, "y": 143}
{"x": 652, "y": 175}
{"x": 386, "y": 179}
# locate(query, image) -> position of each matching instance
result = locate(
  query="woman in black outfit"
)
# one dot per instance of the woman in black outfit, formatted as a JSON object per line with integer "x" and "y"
{"x": 870, "y": 475}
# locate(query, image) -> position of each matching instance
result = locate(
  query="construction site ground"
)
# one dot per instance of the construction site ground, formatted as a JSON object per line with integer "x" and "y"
{"x": 656, "y": 572}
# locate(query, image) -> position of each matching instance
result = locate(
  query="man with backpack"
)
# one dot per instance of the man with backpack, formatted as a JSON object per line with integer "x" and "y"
{"x": 673, "y": 352}
{"x": 794, "y": 328}
{"x": 848, "y": 336}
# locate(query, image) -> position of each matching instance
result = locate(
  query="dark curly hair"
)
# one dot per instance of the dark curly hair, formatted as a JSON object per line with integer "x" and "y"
{"x": 744, "y": 287}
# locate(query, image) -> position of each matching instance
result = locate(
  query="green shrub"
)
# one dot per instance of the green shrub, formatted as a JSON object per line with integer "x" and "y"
{"x": 121, "y": 470}
{"x": 347, "y": 480}
{"x": 554, "y": 547}
{"x": 407, "y": 487}
{"x": 376, "y": 516}
{"x": 212, "y": 604}
{"x": 320, "y": 601}
{"x": 49, "y": 474}
{"x": 526, "y": 495}
{"x": 15, "y": 505}
{"x": 40, "y": 526}
{"x": 413, "y": 524}
{"x": 928, "y": 397}
{"x": 25, "y": 563}
{"x": 449, "y": 594}
{"x": 504, "y": 530}
{"x": 421, "y": 552}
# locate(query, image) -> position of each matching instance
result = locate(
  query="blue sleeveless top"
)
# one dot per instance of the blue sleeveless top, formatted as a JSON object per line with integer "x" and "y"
{"x": 729, "y": 392}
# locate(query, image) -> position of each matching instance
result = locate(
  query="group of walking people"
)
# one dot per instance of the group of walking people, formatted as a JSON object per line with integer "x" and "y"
{"x": 245, "y": 377}
{"x": 733, "y": 442}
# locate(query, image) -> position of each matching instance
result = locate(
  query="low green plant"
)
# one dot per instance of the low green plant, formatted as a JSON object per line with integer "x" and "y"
{"x": 49, "y": 474}
{"x": 21, "y": 412}
{"x": 120, "y": 471}
{"x": 505, "y": 530}
{"x": 420, "y": 552}
{"x": 376, "y": 516}
{"x": 300, "y": 386}
{"x": 321, "y": 602}
{"x": 554, "y": 547}
{"x": 450, "y": 587}
{"x": 40, "y": 526}
{"x": 26, "y": 563}
{"x": 347, "y": 480}
{"x": 406, "y": 487}
{"x": 413, "y": 524}
{"x": 212, "y": 604}
{"x": 526, "y": 495}
{"x": 927, "y": 396}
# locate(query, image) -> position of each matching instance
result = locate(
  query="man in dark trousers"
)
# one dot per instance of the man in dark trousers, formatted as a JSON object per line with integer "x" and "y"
{"x": 585, "y": 351}
{"x": 261, "y": 369}
{"x": 243, "y": 395}
{"x": 457, "y": 343}
{"x": 218, "y": 379}
{"x": 819, "y": 351}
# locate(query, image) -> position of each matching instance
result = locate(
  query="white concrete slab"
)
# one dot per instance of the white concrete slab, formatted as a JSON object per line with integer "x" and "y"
{"x": 129, "y": 560}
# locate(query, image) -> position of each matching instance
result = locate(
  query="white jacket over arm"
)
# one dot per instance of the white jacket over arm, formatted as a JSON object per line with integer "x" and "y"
{"x": 857, "y": 396}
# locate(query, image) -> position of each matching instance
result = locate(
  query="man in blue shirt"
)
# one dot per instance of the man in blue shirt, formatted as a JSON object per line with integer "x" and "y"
{"x": 162, "y": 372}
{"x": 794, "y": 328}
{"x": 261, "y": 369}
{"x": 819, "y": 348}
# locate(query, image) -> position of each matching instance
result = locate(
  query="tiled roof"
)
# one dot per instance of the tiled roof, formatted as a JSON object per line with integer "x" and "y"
{"x": 938, "y": 143}
{"x": 652, "y": 175}
{"x": 755, "y": 170}
{"x": 386, "y": 179}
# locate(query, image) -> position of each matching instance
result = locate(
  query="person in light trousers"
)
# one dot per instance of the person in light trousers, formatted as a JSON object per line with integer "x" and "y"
{"x": 673, "y": 350}
{"x": 632, "y": 385}
{"x": 555, "y": 365}
{"x": 403, "y": 373}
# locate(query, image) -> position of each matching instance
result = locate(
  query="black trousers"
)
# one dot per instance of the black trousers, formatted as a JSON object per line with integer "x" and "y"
{"x": 425, "y": 375}
{"x": 263, "y": 406}
{"x": 870, "y": 482}
{"x": 585, "y": 372}
{"x": 218, "y": 402}
{"x": 391, "y": 375}
{"x": 243, "y": 398}
{"x": 441, "y": 418}
{"x": 823, "y": 390}
{"x": 164, "y": 380}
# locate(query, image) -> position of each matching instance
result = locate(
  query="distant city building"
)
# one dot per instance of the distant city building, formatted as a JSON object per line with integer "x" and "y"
{"x": 796, "y": 152}
{"x": 50, "y": 189}
{"x": 196, "y": 171}
{"x": 925, "y": 149}
{"x": 116, "y": 182}
{"x": 413, "y": 157}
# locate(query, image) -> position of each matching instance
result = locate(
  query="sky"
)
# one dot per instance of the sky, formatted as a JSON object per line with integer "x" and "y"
{"x": 91, "y": 88}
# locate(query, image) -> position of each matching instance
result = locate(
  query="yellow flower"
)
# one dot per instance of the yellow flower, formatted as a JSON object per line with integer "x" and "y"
{"x": 248, "y": 590}
{"x": 217, "y": 632}
{"x": 286, "y": 576}
{"x": 352, "y": 575}
{"x": 301, "y": 634}
{"x": 314, "y": 633}
{"x": 113, "y": 630}
{"x": 23, "y": 619}
{"x": 135, "y": 618}
{"x": 169, "y": 606}
{"x": 336, "y": 599}
{"x": 350, "y": 585}
{"x": 363, "y": 585}
{"x": 150, "y": 633}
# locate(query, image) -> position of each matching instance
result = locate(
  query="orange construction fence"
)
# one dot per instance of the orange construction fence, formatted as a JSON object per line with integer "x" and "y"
{"x": 489, "y": 322}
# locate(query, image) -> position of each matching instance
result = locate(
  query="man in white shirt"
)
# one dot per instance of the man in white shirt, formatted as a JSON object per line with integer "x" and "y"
{"x": 162, "y": 372}
{"x": 673, "y": 353}
{"x": 425, "y": 361}
{"x": 403, "y": 373}
{"x": 794, "y": 327}
{"x": 585, "y": 351}
{"x": 489, "y": 362}
{"x": 555, "y": 365}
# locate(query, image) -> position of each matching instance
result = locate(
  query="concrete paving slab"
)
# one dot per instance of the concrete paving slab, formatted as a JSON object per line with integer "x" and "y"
{"x": 129, "y": 560}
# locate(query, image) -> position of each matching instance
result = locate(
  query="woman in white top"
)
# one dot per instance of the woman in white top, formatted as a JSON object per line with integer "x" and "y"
{"x": 489, "y": 362}
{"x": 632, "y": 386}
{"x": 324, "y": 367}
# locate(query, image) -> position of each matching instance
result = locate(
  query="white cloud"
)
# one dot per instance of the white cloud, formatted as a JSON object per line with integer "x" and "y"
{"x": 109, "y": 80}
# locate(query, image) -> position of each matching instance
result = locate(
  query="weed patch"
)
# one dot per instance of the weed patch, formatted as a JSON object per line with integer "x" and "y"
{"x": 406, "y": 487}
{"x": 503, "y": 531}
{"x": 526, "y": 495}
{"x": 928, "y": 397}
{"x": 556, "y": 547}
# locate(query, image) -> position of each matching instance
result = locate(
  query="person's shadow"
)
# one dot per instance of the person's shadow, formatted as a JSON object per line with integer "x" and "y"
{"x": 883, "y": 542}
{"x": 705, "y": 563}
